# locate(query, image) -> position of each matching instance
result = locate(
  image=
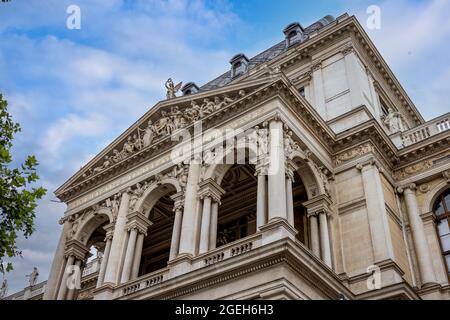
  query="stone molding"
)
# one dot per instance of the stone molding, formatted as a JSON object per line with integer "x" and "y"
{"x": 210, "y": 188}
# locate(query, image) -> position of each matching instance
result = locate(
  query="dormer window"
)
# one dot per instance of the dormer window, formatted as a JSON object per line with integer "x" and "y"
{"x": 189, "y": 88}
{"x": 239, "y": 65}
{"x": 294, "y": 33}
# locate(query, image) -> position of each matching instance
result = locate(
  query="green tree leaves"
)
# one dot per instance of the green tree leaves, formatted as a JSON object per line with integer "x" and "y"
{"x": 18, "y": 195}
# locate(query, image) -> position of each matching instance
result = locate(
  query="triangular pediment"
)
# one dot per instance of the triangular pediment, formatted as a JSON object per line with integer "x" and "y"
{"x": 156, "y": 126}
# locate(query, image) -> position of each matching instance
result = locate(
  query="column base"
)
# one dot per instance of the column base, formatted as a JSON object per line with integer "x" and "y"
{"x": 180, "y": 265}
{"x": 277, "y": 229}
{"x": 104, "y": 292}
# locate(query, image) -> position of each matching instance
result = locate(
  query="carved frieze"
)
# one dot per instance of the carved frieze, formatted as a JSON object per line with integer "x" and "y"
{"x": 353, "y": 153}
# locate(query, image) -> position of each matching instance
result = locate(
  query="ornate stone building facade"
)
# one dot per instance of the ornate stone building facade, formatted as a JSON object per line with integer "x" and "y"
{"x": 344, "y": 196}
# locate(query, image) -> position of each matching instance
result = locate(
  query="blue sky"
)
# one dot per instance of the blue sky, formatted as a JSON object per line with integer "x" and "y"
{"x": 74, "y": 91}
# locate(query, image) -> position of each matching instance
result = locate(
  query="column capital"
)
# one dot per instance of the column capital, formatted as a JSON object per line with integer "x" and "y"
{"x": 372, "y": 162}
{"x": 138, "y": 221}
{"x": 178, "y": 199}
{"x": 316, "y": 65}
{"x": 210, "y": 188}
{"x": 76, "y": 249}
{"x": 318, "y": 205}
{"x": 411, "y": 187}
{"x": 290, "y": 170}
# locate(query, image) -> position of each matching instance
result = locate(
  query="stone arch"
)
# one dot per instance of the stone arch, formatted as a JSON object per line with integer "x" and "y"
{"x": 217, "y": 171}
{"x": 432, "y": 195}
{"x": 90, "y": 222}
{"x": 154, "y": 192}
{"x": 309, "y": 174}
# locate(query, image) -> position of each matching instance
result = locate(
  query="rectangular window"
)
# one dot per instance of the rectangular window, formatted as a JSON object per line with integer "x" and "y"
{"x": 384, "y": 108}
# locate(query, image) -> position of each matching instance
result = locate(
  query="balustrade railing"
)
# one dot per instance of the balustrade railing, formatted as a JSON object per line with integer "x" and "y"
{"x": 423, "y": 132}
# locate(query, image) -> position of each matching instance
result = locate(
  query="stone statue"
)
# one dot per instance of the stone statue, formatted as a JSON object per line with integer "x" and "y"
{"x": 128, "y": 146}
{"x": 178, "y": 119}
{"x": 33, "y": 276}
{"x": 394, "y": 121}
{"x": 4, "y": 289}
{"x": 181, "y": 175}
{"x": 263, "y": 141}
{"x": 137, "y": 142}
{"x": 172, "y": 89}
{"x": 207, "y": 108}
{"x": 105, "y": 165}
{"x": 192, "y": 113}
{"x": 165, "y": 125}
{"x": 115, "y": 203}
{"x": 117, "y": 156}
{"x": 290, "y": 145}
{"x": 149, "y": 134}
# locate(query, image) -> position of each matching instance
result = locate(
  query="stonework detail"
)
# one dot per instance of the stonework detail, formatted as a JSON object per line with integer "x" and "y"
{"x": 354, "y": 153}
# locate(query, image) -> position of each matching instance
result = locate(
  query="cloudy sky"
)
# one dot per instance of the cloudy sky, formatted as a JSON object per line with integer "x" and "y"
{"x": 74, "y": 91}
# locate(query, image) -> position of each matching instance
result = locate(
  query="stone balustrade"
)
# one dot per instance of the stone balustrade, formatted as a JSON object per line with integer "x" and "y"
{"x": 92, "y": 267}
{"x": 420, "y": 133}
{"x": 143, "y": 282}
{"x": 227, "y": 251}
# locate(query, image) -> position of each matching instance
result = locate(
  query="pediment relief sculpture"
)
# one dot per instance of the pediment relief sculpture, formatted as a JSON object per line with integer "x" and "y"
{"x": 167, "y": 123}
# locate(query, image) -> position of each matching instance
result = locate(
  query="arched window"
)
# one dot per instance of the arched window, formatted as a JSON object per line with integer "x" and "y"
{"x": 442, "y": 211}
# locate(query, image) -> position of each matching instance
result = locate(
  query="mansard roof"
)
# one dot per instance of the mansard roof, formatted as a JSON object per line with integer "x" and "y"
{"x": 267, "y": 55}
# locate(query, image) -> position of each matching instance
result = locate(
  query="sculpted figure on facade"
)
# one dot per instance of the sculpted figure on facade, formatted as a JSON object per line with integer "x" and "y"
{"x": 394, "y": 121}
{"x": 137, "y": 142}
{"x": 290, "y": 146}
{"x": 33, "y": 276}
{"x": 193, "y": 113}
{"x": 104, "y": 166}
{"x": 207, "y": 108}
{"x": 128, "y": 146}
{"x": 172, "y": 89}
{"x": 178, "y": 119}
{"x": 164, "y": 126}
{"x": 263, "y": 141}
{"x": 149, "y": 134}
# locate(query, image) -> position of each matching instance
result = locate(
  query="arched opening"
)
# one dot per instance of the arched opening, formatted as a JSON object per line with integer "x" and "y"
{"x": 442, "y": 211}
{"x": 156, "y": 247}
{"x": 93, "y": 233}
{"x": 237, "y": 212}
{"x": 299, "y": 196}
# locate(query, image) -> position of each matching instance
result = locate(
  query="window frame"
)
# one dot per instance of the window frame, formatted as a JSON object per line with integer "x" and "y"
{"x": 440, "y": 218}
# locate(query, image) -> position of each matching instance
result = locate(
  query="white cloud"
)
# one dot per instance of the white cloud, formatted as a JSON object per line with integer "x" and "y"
{"x": 71, "y": 126}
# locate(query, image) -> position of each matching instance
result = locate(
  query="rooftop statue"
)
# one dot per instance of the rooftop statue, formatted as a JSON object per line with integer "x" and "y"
{"x": 33, "y": 276}
{"x": 172, "y": 89}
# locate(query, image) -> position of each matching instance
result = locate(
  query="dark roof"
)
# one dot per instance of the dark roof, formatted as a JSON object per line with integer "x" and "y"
{"x": 266, "y": 55}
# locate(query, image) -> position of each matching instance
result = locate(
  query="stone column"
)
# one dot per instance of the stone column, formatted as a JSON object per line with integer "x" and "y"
{"x": 206, "y": 225}
{"x": 188, "y": 227}
{"x": 137, "y": 256}
{"x": 325, "y": 238}
{"x": 318, "y": 208}
{"x": 71, "y": 292}
{"x": 289, "y": 194}
{"x": 112, "y": 269}
{"x": 277, "y": 176}
{"x": 376, "y": 211}
{"x": 101, "y": 274}
{"x": 214, "y": 222}
{"x": 63, "y": 286}
{"x": 261, "y": 196}
{"x": 209, "y": 192}
{"x": 419, "y": 236}
{"x": 314, "y": 228}
{"x": 137, "y": 228}
{"x": 129, "y": 255}
{"x": 176, "y": 232}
